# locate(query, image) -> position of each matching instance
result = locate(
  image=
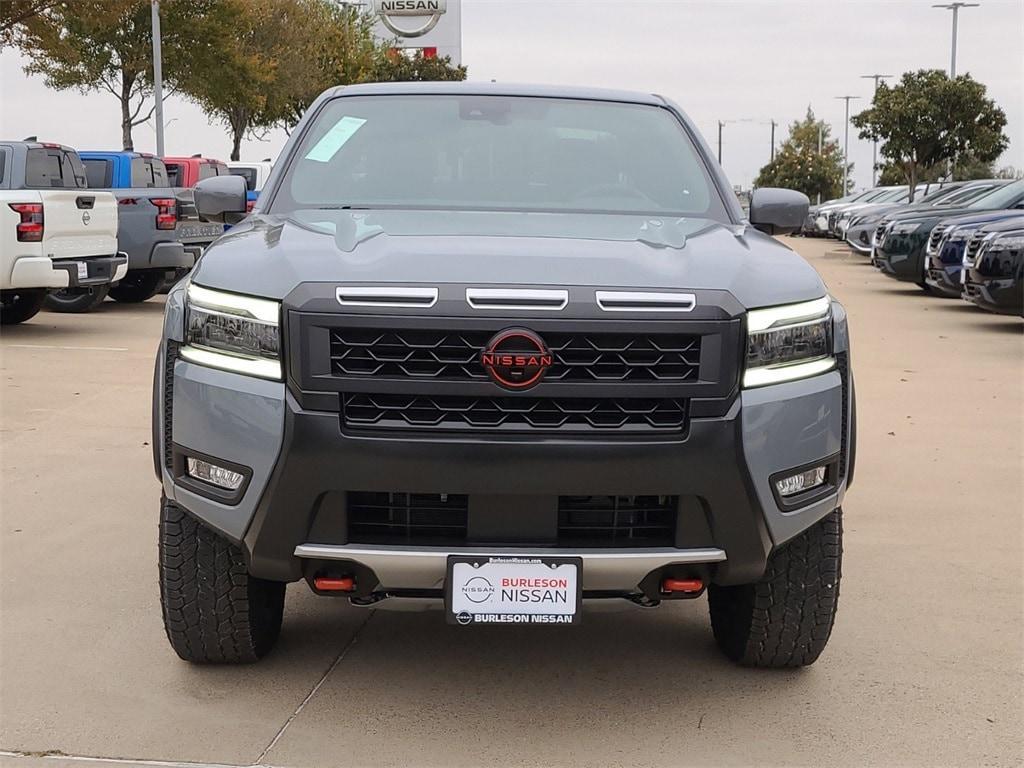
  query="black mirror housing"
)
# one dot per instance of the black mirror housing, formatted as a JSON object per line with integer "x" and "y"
{"x": 221, "y": 199}
{"x": 777, "y": 211}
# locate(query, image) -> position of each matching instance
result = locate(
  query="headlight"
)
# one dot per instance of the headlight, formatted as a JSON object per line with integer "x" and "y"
{"x": 905, "y": 227}
{"x": 1014, "y": 242}
{"x": 788, "y": 342}
{"x": 959, "y": 234}
{"x": 232, "y": 332}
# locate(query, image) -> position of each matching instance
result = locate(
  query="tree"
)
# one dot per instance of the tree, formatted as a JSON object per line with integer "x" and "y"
{"x": 342, "y": 51}
{"x": 928, "y": 119}
{"x": 260, "y": 67}
{"x": 15, "y": 12}
{"x": 799, "y": 165}
{"x": 106, "y": 45}
{"x": 394, "y": 66}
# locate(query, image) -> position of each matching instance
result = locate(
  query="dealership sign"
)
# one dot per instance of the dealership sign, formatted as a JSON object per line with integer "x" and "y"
{"x": 417, "y": 17}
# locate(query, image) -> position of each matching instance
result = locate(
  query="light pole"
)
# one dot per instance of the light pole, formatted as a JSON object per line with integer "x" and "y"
{"x": 846, "y": 143}
{"x": 773, "y": 140}
{"x": 955, "y": 8}
{"x": 874, "y": 142}
{"x": 158, "y": 78}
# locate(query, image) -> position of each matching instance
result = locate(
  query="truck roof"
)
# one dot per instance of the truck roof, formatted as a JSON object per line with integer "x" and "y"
{"x": 113, "y": 153}
{"x": 37, "y": 145}
{"x": 497, "y": 89}
{"x": 182, "y": 159}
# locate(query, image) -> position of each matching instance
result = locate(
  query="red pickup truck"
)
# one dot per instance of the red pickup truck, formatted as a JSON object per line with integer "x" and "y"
{"x": 186, "y": 171}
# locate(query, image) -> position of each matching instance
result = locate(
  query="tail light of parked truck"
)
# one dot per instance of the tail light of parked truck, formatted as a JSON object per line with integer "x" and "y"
{"x": 30, "y": 227}
{"x": 166, "y": 212}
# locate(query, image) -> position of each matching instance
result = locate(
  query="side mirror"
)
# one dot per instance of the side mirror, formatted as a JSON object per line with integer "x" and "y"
{"x": 221, "y": 199}
{"x": 778, "y": 211}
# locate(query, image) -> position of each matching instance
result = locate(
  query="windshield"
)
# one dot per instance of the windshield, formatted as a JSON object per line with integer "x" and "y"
{"x": 498, "y": 153}
{"x": 999, "y": 198}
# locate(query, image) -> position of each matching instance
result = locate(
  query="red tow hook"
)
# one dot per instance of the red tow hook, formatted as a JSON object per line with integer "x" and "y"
{"x": 335, "y": 583}
{"x": 688, "y": 586}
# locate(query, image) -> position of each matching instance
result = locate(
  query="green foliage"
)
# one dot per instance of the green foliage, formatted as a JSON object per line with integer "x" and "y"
{"x": 394, "y": 66}
{"x": 105, "y": 45}
{"x": 928, "y": 119}
{"x": 966, "y": 168}
{"x": 799, "y": 165}
{"x": 16, "y": 12}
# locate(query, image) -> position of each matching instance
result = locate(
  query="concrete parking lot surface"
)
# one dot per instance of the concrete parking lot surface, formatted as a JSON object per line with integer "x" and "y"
{"x": 925, "y": 666}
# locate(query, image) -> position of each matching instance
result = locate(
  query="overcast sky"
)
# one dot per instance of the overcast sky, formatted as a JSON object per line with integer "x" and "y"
{"x": 721, "y": 60}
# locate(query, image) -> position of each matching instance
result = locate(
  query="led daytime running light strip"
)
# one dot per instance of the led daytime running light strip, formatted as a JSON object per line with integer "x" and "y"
{"x": 263, "y": 310}
{"x": 788, "y": 314}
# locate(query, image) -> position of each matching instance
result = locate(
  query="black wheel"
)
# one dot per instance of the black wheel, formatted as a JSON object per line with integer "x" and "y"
{"x": 76, "y": 299}
{"x": 20, "y": 304}
{"x": 785, "y": 619}
{"x": 138, "y": 286}
{"x": 214, "y": 611}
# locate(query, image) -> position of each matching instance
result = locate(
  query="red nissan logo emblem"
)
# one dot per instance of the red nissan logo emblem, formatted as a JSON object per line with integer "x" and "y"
{"x": 516, "y": 358}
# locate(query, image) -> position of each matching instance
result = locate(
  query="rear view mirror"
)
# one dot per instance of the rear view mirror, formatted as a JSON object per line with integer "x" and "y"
{"x": 221, "y": 199}
{"x": 778, "y": 211}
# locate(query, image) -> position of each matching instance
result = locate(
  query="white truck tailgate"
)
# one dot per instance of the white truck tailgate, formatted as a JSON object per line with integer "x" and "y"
{"x": 78, "y": 222}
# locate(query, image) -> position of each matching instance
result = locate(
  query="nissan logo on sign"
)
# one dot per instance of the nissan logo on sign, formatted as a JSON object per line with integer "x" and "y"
{"x": 426, "y": 12}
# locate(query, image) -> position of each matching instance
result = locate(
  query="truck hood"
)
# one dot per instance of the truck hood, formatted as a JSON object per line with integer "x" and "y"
{"x": 269, "y": 255}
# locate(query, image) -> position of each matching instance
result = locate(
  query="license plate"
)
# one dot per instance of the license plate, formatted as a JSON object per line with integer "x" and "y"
{"x": 520, "y": 589}
{"x": 83, "y": 270}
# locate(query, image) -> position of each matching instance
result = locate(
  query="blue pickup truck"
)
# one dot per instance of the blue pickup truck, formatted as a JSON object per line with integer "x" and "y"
{"x": 158, "y": 227}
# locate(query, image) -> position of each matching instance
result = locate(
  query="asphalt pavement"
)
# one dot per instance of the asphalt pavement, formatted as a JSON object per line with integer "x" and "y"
{"x": 925, "y": 666}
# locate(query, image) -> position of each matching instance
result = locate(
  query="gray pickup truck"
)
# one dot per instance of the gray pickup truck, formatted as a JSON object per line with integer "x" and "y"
{"x": 158, "y": 228}
{"x": 505, "y": 350}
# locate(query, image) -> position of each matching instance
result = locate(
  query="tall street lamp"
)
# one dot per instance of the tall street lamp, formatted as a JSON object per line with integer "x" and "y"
{"x": 874, "y": 142}
{"x": 846, "y": 143}
{"x": 955, "y": 8}
{"x": 158, "y": 78}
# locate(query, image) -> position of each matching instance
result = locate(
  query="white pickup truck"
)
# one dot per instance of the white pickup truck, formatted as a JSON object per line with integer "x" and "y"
{"x": 54, "y": 231}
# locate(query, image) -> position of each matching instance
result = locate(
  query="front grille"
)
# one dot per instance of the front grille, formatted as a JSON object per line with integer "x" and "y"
{"x": 442, "y": 519}
{"x": 511, "y": 414}
{"x": 617, "y": 521}
{"x": 879, "y": 236}
{"x": 170, "y": 355}
{"x": 455, "y": 355}
{"x": 407, "y": 518}
{"x": 935, "y": 238}
{"x": 972, "y": 248}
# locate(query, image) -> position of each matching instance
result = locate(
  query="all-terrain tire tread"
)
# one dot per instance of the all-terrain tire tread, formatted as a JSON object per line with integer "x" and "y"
{"x": 786, "y": 618}
{"x": 213, "y": 610}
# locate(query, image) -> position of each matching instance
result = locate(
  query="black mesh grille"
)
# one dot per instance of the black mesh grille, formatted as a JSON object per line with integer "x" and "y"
{"x": 407, "y": 518}
{"x": 454, "y": 355}
{"x": 435, "y": 519}
{"x": 617, "y": 521}
{"x": 628, "y": 415}
{"x": 170, "y": 355}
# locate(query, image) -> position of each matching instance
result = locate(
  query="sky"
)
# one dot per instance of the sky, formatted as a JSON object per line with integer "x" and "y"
{"x": 748, "y": 61}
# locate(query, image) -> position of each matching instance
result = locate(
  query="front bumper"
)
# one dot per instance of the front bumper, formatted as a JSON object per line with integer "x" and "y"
{"x": 1003, "y": 296}
{"x": 901, "y": 257}
{"x": 944, "y": 279}
{"x": 858, "y": 237}
{"x": 44, "y": 272}
{"x": 291, "y": 514}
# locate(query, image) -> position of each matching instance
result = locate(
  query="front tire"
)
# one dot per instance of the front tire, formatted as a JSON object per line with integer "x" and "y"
{"x": 76, "y": 300}
{"x": 138, "y": 286}
{"x": 20, "y": 304}
{"x": 214, "y": 612}
{"x": 785, "y": 619}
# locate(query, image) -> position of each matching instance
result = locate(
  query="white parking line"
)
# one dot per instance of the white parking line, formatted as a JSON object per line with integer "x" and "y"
{"x": 54, "y": 346}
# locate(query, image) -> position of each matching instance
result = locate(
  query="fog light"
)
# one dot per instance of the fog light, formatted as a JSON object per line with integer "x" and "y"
{"x": 211, "y": 473}
{"x": 804, "y": 481}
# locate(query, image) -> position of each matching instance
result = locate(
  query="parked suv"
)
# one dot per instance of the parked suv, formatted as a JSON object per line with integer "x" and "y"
{"x": 54, "y": 232}
{"x": 511, "y": 349}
